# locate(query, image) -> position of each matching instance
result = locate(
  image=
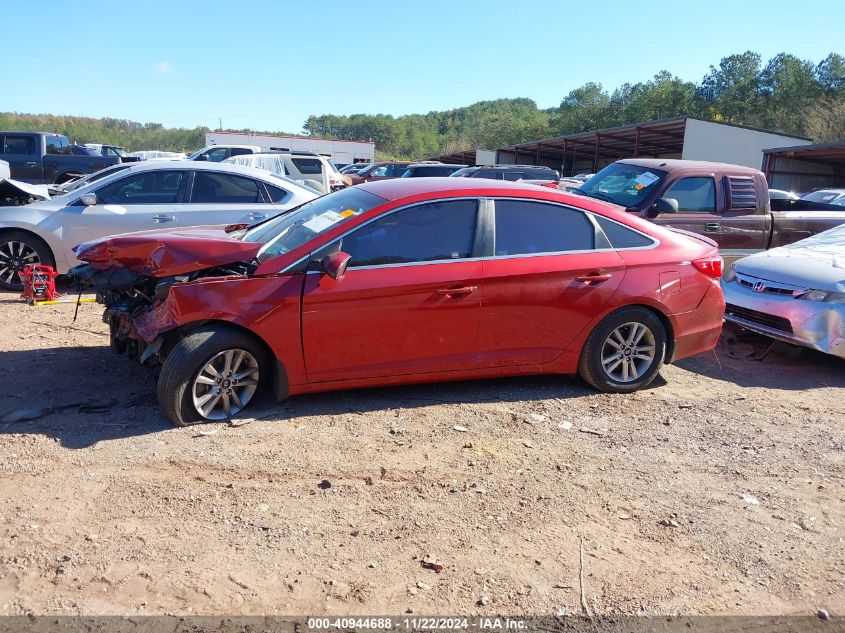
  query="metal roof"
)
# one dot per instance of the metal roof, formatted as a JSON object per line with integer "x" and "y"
{"x": 826, "y": 152}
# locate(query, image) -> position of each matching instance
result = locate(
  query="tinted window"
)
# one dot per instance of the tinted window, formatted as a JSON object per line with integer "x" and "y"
{"x": 381, "y": 170}
{"x": 277, "y": 194}
{"x": 624, "y": 184}
{"x": 694, "y": 195}
{"x": 494, "y": 174}
{"x": 308, "y": 165}
{"x": 57, "y": 145}
{"x": 621, "y": 236}
{"x": 238, "y": 151}
{"x": 217, "y": 155}
{"x": 524, "y": 228}
{"x": 151, "y": 187}
{"x": 210, "y": 187}
{"x": 397, "y": 170}
{"x": 531, "y": 174}
{"x": 19, "y": 145}
{"x": 428, "y": 232}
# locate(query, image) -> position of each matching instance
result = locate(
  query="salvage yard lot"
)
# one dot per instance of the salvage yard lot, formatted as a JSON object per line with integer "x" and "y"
{"x": 329, "y": 503}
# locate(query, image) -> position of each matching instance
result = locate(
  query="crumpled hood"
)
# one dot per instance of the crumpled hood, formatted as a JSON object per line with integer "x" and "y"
{"x": 816, "y": 262}
{"x": 166, "y": 253}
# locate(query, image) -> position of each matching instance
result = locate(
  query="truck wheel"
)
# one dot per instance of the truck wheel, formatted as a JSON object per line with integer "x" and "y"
{"x": 211, "y": 375}
{"x": 19, "y": 249}
{"x": 625, "y": 352}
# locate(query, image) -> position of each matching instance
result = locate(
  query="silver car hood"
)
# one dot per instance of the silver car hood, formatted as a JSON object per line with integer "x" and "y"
{"x": 816, "y": 262}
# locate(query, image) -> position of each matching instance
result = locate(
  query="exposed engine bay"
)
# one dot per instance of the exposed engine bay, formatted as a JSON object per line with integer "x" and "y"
{"x": 133, "y": 300}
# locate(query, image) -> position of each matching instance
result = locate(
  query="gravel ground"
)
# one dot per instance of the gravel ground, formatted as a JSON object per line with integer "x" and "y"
{"x": 717, "y": 491}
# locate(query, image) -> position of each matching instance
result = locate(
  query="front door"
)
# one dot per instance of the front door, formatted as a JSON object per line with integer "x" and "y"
{"x": 21, "y": 153}
{"x": 544, "y": 283}
{"x": 409, "y": 301}
{"x": 142, "y": 201}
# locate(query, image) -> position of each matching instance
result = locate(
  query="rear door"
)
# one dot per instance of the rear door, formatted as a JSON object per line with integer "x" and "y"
{"x": 22, "y": 153}
{"x": 141, "y": 201}
{"x": 221, "y": 198}
{"x": 543, "y": 283}
{"x": 409, "y": 302}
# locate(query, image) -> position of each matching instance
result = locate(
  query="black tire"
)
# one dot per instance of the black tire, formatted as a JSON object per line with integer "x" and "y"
{"x": 591, "y": 368}
{"x": 187, "y": 359}
{"x": 10, "y": 266}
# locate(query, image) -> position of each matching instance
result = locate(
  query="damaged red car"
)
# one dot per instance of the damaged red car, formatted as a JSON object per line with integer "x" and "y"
{"x": 404, "y": 281}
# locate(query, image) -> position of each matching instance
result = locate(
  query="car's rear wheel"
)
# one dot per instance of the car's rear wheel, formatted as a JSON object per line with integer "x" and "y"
{"x": 625, "y": 351}
{"x": 17, "y": 250}
{"x": 211, "y": 375}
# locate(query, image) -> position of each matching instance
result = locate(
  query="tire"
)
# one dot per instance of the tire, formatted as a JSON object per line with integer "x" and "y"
{"x": 598, "y": 365}
{"x": 17, "y": 249}
{"x": 183, "y": 382}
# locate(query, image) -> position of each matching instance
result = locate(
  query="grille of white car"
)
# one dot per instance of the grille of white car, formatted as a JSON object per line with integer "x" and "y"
{"x": 764, "y": 285}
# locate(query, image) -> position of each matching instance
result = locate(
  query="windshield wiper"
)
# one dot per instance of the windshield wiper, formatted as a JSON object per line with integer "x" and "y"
{"x": 598, "y": 195}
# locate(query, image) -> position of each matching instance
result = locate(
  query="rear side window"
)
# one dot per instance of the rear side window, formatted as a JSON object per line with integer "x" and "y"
{"x": 19, "y": 145}
{"x": 210, "y": 187}
{"x": 493, "y": 174}
{"x": 239, "y": 151}
{"x": 426, "y": 232}
{"x": 526, "y": 228}
{"x": 308, "y": 165}
{"x": 149, "y": 187}
{"x": 621, "y": 236}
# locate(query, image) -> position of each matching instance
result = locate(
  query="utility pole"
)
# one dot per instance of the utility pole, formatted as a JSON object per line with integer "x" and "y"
{"x": 220, "y": 121}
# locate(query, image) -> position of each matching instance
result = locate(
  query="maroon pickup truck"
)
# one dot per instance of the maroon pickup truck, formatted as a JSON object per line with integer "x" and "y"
{"x": 727, "y": 203}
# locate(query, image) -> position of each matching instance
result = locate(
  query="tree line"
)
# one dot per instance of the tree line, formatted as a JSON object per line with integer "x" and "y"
{"x": 785, "y": 94}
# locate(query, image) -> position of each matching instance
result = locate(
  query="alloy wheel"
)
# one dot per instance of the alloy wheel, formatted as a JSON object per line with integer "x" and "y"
{"x": 14, "y": 256}
{"x": 225, "y": 384}
{"x": 628, "y": 352}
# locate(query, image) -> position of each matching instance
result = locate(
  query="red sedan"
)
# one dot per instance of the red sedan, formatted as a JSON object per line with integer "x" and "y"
{"x": 403, "y": 281}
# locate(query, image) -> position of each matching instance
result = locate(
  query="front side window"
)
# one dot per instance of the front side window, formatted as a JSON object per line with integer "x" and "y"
{"x": 423, "y": 233}
{"x": 378, "y": 172}
{"x": 217, "y": 155}
{"x": 19, "y": 145}
{"x": 694, "y": 195}
{"x": 526, "y": 228}
{"x": 397, "y": 170}
{"x": 214, "y": 188}
{"x": 149, "y": 187}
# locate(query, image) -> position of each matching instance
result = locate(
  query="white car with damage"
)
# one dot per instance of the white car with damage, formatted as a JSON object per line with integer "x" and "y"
{"x": 146, "y": 196}
{"x": 793, "y": 293}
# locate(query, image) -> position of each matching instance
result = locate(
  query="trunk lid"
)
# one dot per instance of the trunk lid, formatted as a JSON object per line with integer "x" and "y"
{"x": 167, "y": 253}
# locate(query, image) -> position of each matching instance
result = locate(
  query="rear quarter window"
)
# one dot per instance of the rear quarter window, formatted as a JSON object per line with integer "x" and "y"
{"x": 621, "y": 236}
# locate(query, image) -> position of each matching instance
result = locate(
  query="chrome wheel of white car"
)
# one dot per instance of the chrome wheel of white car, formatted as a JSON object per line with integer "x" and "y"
{"x": 225, "y": 384}
{"x": 628, "y": 352}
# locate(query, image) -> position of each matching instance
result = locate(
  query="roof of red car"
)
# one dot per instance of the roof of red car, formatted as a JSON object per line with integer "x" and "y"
{"x": 402, "y": 187}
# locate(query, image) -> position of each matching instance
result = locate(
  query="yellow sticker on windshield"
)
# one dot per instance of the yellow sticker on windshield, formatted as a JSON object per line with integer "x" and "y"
{"x": 347, "y": 213}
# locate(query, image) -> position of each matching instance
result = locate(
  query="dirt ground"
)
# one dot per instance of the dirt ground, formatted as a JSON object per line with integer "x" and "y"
{"x": 717, "y": 491}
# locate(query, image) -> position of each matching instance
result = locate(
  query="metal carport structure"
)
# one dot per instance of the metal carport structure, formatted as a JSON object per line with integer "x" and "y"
{"x": 803, "y": 168}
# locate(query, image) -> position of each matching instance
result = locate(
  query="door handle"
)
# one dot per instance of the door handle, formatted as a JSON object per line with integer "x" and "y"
{"x": 456, "y": 292}
{"x": 711, "y": 227}
{"x": 32, "y": 163}
{"x": 161, "y": 219}
{"x": 595, "y": 278}
{"x": 255, "y": 215}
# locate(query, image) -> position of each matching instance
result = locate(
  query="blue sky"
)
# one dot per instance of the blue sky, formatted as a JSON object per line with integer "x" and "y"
{"x": 268, "y": 64}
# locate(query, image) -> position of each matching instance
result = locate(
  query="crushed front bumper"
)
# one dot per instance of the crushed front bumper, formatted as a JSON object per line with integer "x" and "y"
{"x": 813, "y": 324}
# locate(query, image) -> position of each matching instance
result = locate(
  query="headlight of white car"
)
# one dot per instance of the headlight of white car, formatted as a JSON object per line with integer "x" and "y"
{"x": 826, "y": 296}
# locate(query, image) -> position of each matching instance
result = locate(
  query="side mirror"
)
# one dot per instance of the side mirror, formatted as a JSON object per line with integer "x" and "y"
{"x": 334, "y": 265}
{"x": 666, "y": 205}
{"x": 89, "y": 199}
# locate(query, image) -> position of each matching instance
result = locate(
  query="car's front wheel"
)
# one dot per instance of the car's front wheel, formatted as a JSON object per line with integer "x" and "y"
{"x": 211, "y": 375}
{"x": 19, "y": 249}
{"x": 625, "y": 351}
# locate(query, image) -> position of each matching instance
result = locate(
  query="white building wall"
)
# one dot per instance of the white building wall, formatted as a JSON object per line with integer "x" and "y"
{"x": 705, "y": 140}
{"x": 341, "y": 152}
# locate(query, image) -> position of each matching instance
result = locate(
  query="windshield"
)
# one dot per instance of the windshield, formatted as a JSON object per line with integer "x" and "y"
{"x": 623, "y": 184}
{"x": 291, "y": 230}
{"x": 826, "y": 195}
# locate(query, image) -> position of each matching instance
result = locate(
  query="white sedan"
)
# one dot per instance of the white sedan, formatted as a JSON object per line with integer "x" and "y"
{"x": 145, "y": 196}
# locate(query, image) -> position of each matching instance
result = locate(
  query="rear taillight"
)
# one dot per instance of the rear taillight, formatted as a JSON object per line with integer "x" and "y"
{"x": 710, "y": 266}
